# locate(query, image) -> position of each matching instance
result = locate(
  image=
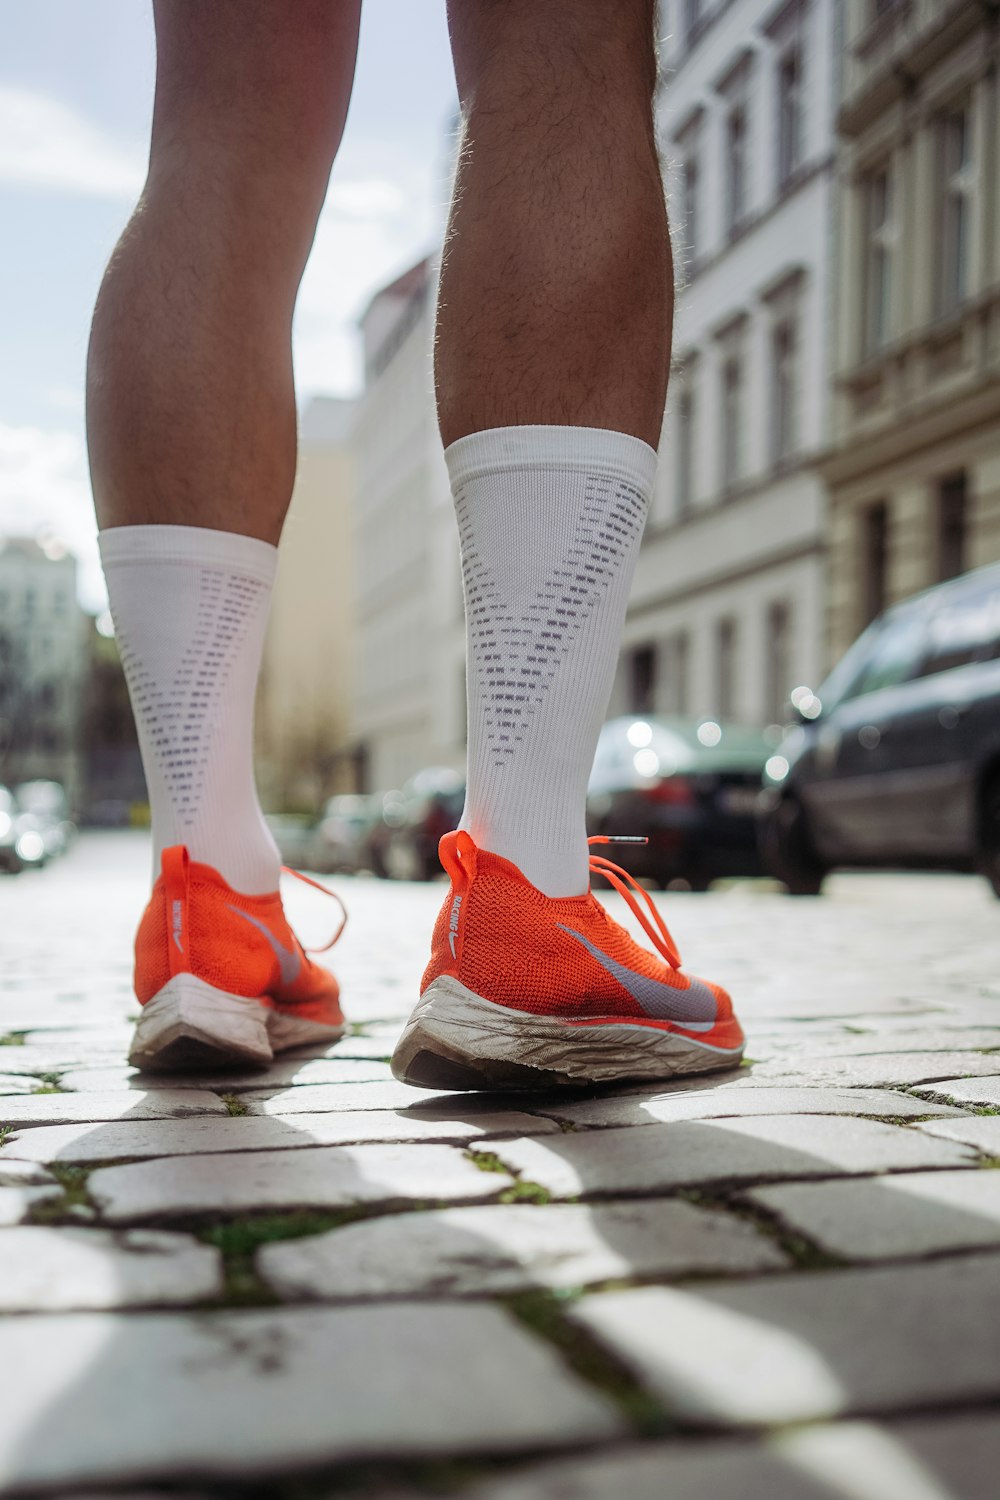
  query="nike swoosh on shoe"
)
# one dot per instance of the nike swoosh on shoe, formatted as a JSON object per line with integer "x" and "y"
{"x": 694, "y": 1008}
{"x": 289, "y": 959}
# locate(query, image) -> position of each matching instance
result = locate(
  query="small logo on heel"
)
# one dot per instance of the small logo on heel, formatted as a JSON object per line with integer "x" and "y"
{"x": 453, "y": 925}
{"x": 177, "y": 925}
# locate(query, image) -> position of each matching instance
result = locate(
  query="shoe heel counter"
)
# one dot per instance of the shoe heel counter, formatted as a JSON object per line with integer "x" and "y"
{"x": 458, "y": 855}
{"x": 162, "y": 943}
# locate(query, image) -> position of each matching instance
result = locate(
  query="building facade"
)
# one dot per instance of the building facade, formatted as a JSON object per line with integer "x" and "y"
{"x": 304, "y": 696}
{"x": 409, "y": 680}
{"x": 727, "y": 610}
{"x": 42, "y": 652}
{"x": 915, "y": 475}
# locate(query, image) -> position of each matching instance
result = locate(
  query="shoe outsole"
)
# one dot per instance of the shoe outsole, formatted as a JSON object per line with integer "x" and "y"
{"x": 191, "y": 1025}
{"x": 455, "y": 1039}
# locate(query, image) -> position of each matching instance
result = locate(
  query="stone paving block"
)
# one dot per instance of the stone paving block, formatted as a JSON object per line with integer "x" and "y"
{"x": 22, "y": 1173}
{"x": 46, "y": 1269}
{"x": 16, "y": 1203}
{"x": 890, "y": 1070}
{"x": 313, "y": 1098}
{"x": 705, "y": 1102}
{"x": 981, "y": 1131}
{"x": 811, "y": 1346}
{"x": 911, "y": 1214}
{"x": 16, "y": 1083}
{"x": 977, "y": 1091}
{"x": 283, "y": 1073}
{"x": 64, "y": 1109}
{"x": 929, "y": 1039}
{"x": 323, "y": 1177}
{"x": 117, "y": 1139}
{"x": 252, "y": 1393}
{"x": 935, "y": 1458}
{"x": 459, "y": 1252}
{"x": 772, "y": 1147}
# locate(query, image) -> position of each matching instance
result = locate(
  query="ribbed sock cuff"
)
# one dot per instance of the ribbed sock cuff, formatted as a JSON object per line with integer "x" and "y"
{"x": 589, "y": 449}
{"x": 189, "y": 544}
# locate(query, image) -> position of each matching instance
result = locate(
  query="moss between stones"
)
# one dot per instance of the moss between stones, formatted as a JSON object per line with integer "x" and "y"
{"x": 239, "y": 1240}
{"x": 522, "y": 1190}
{"x": 545, "y": 1314}
{"x": 234, "y": 1104}
{"x": 13, "y": 1039}
{"x": 5, "y": 1134}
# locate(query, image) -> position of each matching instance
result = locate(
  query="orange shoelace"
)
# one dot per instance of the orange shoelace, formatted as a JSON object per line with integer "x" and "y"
{"x": 308, "y": 880}
{"x": 648, "y": 917}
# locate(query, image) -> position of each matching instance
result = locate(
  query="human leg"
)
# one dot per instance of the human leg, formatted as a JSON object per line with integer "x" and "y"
{"x": 552, "y": 355}
{"x": 191, "y": 427}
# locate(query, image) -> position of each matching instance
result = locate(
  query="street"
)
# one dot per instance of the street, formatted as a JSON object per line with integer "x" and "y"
{"x": 779, "y": 1281}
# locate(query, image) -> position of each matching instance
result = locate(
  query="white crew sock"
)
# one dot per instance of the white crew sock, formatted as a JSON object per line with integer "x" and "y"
{"x": 190, "y": 609}
{"x": 550, "y": 520}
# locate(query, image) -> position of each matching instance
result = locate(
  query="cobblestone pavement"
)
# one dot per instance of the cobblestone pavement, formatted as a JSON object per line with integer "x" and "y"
{"x": 781, "y": 1282}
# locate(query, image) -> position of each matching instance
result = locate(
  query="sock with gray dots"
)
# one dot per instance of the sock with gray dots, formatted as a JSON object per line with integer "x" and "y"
{"x": 190, "y": 609}
{"x": 550, "y": 520}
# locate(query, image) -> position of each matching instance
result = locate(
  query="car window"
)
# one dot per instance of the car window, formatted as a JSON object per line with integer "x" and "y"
{"x": 897, "y": 656}
{"x": 966, "y": 630}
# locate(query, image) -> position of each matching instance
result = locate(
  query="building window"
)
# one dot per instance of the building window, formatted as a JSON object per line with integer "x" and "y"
{"x": 685, "y": 449}
{"x": 736, "y": 166}
{"x": 877, "y": 281}
{"x": 676, "y": 651}
{"x": 789, "y": 113}
{"x": 692, "y": 14}
{"x": 952, "y": 521}
{"x": 732, "y": 417}
{"x": 778, "y": 647}
{"x": 689, "y": 209}
{"x": 642, "y": 679}
{"x": 874, "y": 560}
{"x": 951, "y": 219}
{"x": 725, "y": 667}
{"x": 784, "y": 389}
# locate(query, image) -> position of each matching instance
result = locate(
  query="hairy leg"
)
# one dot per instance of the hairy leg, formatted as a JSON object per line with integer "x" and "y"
{"x": 190, "y": 400}
{"x": 556, "y": 291}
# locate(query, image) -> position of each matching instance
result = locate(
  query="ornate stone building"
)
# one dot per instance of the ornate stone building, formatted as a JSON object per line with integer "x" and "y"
{"x": 914, "y": 477}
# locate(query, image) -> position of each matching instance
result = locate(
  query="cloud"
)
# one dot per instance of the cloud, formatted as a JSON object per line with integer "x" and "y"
{"x": 44, "y": 488}
{"x": 46, "y": 144}
{"x": 383, "y": 212}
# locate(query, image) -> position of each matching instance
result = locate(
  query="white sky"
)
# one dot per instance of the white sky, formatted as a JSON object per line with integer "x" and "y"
{"x": 76, "y": 84}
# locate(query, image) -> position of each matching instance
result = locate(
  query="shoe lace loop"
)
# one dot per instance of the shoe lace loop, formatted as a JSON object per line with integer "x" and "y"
{"x": 308, "y": 880}
{"x": 647, "y": 916}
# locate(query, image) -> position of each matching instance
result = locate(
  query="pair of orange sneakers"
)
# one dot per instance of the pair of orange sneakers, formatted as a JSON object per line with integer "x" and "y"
{"x": 523, "y": 990}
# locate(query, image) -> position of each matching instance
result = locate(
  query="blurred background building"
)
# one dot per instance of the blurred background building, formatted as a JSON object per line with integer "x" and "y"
{"x": 915, "y": 476}
{"x": 727, "y": 613}
{"x": 42, "y": 652}
{"x": 408, "y": 703}
{"x": 303, "y": 700}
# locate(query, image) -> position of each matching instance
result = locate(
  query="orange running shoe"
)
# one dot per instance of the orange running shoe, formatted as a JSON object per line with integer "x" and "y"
{"x": 525, "y": 990}
{"x": 221, "y": 977}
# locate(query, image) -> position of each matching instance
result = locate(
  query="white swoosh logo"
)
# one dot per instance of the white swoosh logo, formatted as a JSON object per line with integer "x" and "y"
{"x": 694, "y": 1008}
{"x": 289, "y": 959}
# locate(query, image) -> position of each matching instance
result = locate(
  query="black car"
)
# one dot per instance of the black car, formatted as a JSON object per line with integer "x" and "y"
{"x": 897, "y": 759}
{"x": 689, "y": 786}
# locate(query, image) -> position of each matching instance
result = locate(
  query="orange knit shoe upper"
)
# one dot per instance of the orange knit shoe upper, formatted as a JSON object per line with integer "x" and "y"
{"x": 565, "y": 957}
{"x": 195, "y": 923}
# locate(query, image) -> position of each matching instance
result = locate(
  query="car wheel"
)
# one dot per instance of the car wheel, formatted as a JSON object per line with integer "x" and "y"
{"x": 788, "y": 852}
{"x": 989, "y": 858}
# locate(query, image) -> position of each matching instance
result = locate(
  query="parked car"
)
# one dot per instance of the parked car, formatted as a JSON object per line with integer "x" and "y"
{"x": 22, "y": 840}
{"x": 690, "y": 787}
{"x": 293, "y": 834}
{"x": 43, "y": 809}
{"x": 340, "y": 840}
{"x": 896, "y": 760}
{"x": 404, "y": 845}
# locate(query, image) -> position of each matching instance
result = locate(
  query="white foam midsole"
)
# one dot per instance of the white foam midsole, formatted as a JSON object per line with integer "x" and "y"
{"x": 453, "y": 1021}
{"x": 191, "y": 1009}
